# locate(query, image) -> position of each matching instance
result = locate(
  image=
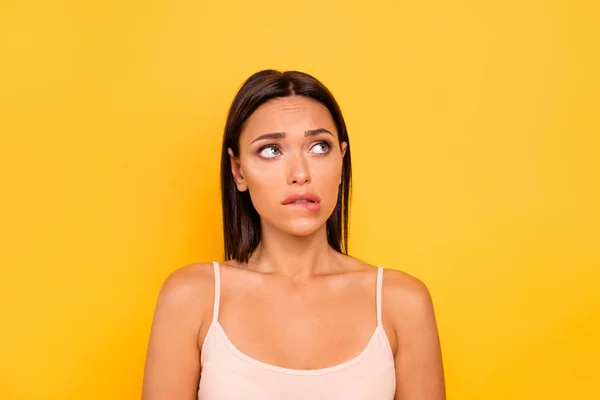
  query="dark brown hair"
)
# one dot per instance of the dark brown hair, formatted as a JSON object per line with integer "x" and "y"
{"x": 241, "y": 222}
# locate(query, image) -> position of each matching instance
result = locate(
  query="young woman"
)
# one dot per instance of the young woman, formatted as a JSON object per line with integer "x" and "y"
{"x": 288, "y": 314}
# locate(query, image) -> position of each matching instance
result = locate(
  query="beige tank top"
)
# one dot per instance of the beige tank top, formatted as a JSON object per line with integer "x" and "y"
{"x": 229, "y": 374}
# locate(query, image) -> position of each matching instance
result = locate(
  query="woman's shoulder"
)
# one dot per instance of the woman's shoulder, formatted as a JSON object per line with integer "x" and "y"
{"x": 188, "y": 291}
{"x": 394, "y": 279}
{"x": 398, "y": 284}
{"x": 401, "y": 283}
{"x": 400, "y": 290}
{"x": 406, "y": 297}
{"x": 188, "y": 280}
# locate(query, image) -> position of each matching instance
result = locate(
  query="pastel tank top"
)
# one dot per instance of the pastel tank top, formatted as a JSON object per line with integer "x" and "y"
{"x": 229, "y": 374}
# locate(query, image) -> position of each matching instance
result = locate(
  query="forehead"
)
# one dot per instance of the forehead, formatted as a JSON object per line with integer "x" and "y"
{"x": 289, "y": 114}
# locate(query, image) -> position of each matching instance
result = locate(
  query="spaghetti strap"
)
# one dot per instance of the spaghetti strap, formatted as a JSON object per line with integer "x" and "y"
{"x": 217, "y": 291}
{"x": 379, "y": 288}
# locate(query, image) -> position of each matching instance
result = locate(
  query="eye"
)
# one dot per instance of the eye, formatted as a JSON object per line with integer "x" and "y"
{"x": 270, "y": 151}
{"x": 321, "y": 147}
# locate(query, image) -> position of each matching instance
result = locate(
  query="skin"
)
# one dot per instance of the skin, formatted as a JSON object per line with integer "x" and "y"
{"x": 295, "y": 289}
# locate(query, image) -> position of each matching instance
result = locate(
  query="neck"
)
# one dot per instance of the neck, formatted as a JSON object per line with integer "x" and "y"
{"x": 291, "y": 256}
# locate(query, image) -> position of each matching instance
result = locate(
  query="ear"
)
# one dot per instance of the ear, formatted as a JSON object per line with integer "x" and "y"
{"x": 236, "y": 171}
{"x": 343, "y": 147}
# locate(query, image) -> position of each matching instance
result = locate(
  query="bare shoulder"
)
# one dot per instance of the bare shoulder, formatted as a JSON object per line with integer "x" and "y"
{"x": 188, "y": 282}
{"x": 405, "y": 296}
{"x": 403, "y": 286}
{"x": 188, "y": 292}
{"x": 173, "y": 356}
{"x": 416, "y": 344}
{"x": 399, "y": 287}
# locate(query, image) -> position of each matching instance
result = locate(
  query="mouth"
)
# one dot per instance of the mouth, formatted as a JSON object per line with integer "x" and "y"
{"x": 308, "y": 201}
{"x": 305, "y": 197}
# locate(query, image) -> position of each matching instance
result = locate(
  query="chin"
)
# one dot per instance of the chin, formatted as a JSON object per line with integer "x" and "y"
{"x": 302, "y": 228}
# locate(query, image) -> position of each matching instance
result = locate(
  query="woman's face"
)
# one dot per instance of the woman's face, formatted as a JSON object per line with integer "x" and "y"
{"x": 289, "y": 147}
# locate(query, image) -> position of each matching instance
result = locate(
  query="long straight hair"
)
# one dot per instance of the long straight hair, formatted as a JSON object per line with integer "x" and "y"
{"x": 241, "y": 221}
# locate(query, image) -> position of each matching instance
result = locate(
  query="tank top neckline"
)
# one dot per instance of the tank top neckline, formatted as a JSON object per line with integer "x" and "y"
{"x": 216, "y": 327}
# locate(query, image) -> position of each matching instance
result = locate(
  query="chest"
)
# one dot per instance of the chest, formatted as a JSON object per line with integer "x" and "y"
{"x": 299, "y": 328}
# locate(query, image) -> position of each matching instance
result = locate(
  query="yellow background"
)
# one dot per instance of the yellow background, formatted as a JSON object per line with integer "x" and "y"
{"x": 474, "y": 129}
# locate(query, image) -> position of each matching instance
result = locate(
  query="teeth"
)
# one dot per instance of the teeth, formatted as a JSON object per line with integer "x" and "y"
{"x": 302, "y": 201}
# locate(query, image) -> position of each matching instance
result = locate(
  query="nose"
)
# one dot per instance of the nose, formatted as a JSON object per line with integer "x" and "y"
{"x": 298, "y": 171}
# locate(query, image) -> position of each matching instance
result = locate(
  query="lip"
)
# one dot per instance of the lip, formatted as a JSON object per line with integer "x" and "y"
{"x": 301, "y": 196}
{"x": 312, "y": 205}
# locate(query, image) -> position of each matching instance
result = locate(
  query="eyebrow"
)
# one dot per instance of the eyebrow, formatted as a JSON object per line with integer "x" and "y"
{"x": 281, "y": 135}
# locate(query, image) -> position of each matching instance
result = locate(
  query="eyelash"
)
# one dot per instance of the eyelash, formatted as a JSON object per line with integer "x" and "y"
{"x": 326, "y": 142}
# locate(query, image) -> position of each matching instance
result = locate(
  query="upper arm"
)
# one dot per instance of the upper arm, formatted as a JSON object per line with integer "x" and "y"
{"x": 418, "y": 360}
{"x": 172, "y": 366}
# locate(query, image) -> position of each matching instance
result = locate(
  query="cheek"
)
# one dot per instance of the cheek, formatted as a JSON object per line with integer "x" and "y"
{"x": 330, "y": 170}
{"x": 328, "y": 180}
{"x": 331, "y": 187}
{"x": 263, "y": 182}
